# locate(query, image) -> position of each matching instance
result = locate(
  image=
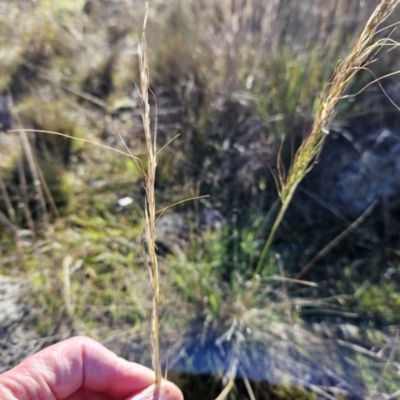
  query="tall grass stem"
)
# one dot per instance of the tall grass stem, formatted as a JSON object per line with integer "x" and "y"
{"x": 150, "y": 258}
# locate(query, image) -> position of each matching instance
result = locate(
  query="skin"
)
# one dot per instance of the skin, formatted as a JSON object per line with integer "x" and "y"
{"x": 81, "y": 369}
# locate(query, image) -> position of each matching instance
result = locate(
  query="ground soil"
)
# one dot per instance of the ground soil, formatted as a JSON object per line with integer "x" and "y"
{"x": 18, "y": 338}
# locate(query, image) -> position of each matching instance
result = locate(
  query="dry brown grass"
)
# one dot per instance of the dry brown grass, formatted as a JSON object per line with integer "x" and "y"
{"x": 150, "y": 257}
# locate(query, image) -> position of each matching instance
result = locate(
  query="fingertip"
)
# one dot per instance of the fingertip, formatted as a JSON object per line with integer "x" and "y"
{"x": 167, "y": 391}
{"x": 171, "y": 392}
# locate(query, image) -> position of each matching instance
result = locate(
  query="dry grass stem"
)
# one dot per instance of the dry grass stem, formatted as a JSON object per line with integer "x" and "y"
{"x": 226, "y": 390}
{"x": 180, "y": 202}
{"x": 128, "y": 154}
{"x": 5, "y": 221}
{"x": 7, "y": 200}
{"x": 14, "y": 229}
{"x": 24, "y": 195}
{"x": 34, "y": 170}
{"x": 394, "y": 395}
{"x": 66, "y": 267}
{"x": 336, "y": 240}
{"x": 249, "y": 389}
{"x": 150, "y": 207}
{"x": 33, "y": 167}
{"x": 230, "y": 376}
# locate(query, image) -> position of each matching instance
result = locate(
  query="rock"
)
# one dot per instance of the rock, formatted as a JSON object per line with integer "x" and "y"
{"x": 172, "y": 233}
{"x": 356, "y": 167}
{"x": 174, "y": 230}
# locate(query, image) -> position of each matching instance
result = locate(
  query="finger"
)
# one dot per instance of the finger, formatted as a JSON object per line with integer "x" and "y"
{"x": 60, "y": 370}
{"x": 167, "y": 391}
{"x": 83, "y": 394}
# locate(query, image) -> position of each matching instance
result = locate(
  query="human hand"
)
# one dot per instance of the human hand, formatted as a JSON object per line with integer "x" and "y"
{"x": 81, "y": 369}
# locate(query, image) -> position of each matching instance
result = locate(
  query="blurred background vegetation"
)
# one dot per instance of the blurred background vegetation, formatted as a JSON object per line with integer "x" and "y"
{"x": 235, "y": 86}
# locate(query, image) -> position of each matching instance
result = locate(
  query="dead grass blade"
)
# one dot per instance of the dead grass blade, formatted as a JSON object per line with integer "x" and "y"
{"x": 34, "y": 168}
{"x": 24, "y": 195}
{"x": 231, "y": 379}
{"x": 249, "y": 389}
{"x": 226, "y": 390}
{"x": 7, "y": 200}
{"x": 128, "y": 154}
{"x": 336, "y": 240}
{"x": 180, "y": 202}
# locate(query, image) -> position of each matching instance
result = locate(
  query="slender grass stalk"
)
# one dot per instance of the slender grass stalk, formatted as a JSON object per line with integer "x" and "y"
{"x": 34, "y": 168}
{"x": 249, "y": 389}
{"x": 127, "y": 153}
{"x": 271, "y": 235}
{"x": 337, "y": 240}
{"x": 24, "y": 195}
{"x": 46, "y": 190}
{"x": 231, "y": 375}
{"x": 227, "y": 389}
{"x": 7, "y": 201}
{"x": 37, "y": 183}
{"x": 14, "y": 229}
{"x": 66, "y": 269}
{"x": 150, "y": 207}
{"x": 358, "y": 58}
{"x": 10, "y": 222}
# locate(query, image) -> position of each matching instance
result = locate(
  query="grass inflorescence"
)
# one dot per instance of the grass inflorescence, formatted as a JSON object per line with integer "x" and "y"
{"x": 358, "y": 59}
{"x": 150, "y": 206}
